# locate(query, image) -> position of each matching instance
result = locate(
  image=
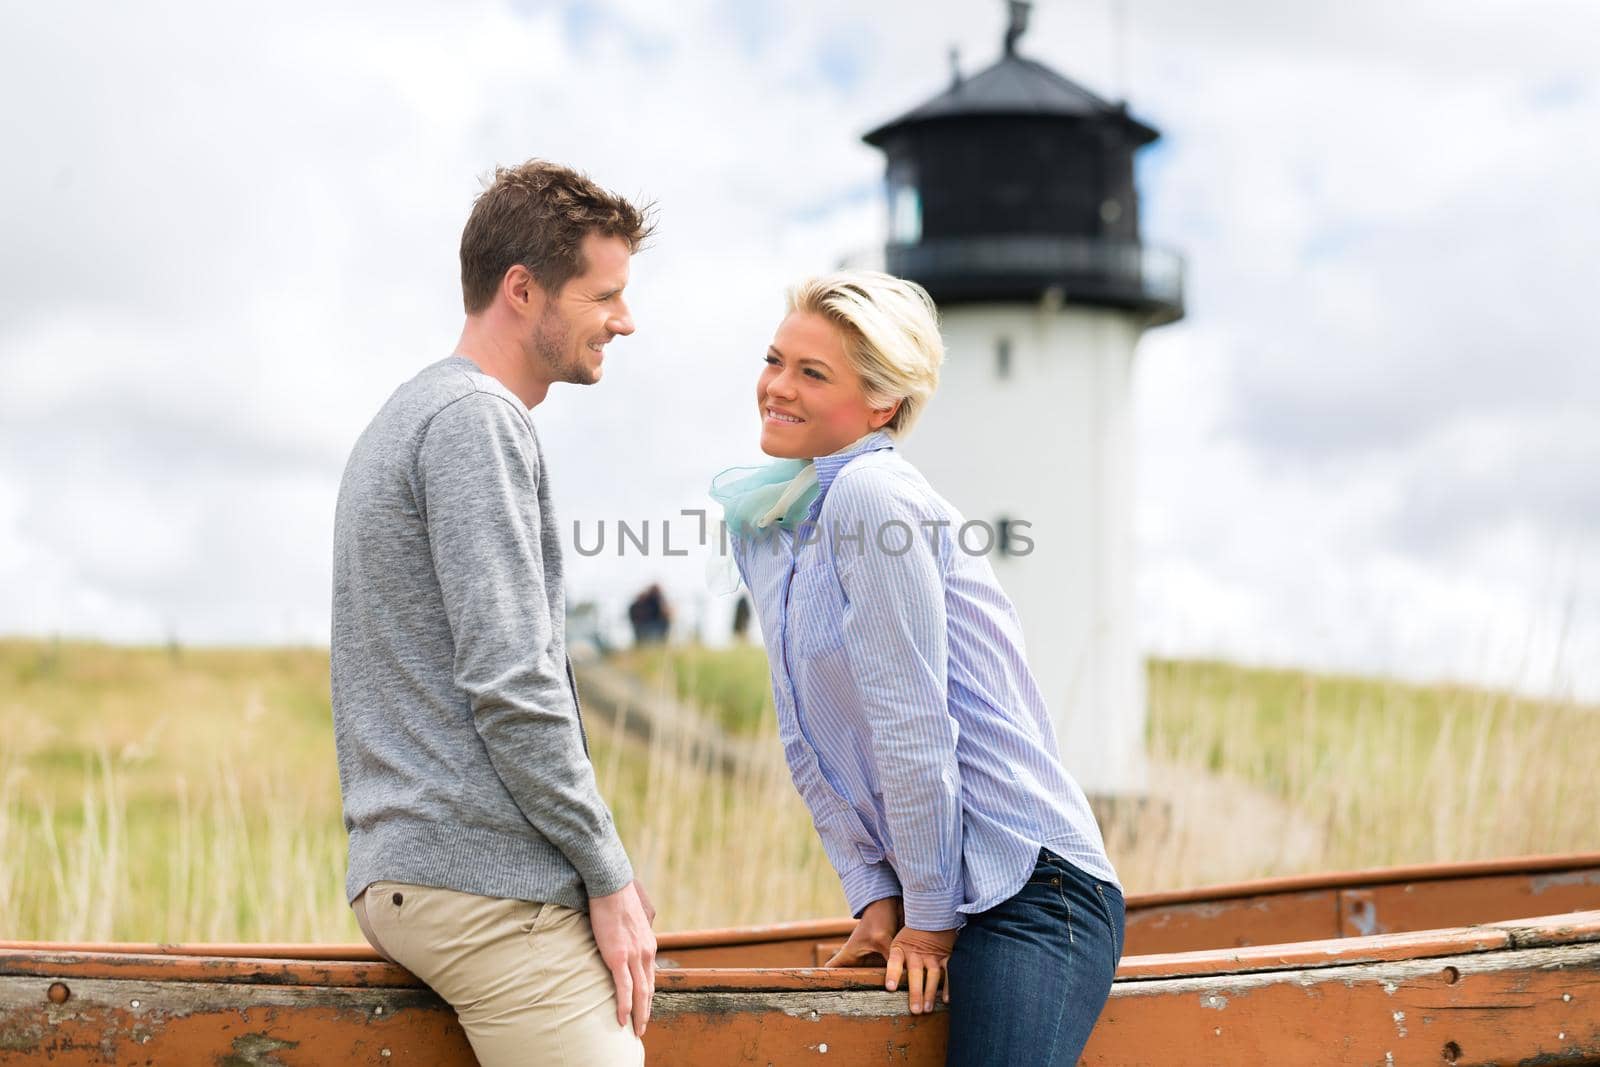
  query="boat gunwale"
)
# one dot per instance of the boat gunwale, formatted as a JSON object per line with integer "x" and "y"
{"x": 1426, "y": 872}
{"x": 1515, "y": 934}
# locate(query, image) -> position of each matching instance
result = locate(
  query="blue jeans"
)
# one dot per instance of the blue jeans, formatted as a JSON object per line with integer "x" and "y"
{"x": 1029, "y": 977}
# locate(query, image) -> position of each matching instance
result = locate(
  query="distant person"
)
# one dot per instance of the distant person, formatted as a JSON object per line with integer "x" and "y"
{"x": 912, "y": 725}
{"x": 741, "y": 618}
{"x": 650, "y": 616}
{"x": 482, "y": 857}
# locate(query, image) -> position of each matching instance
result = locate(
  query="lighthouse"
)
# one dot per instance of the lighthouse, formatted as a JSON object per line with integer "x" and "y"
{"x": 1012, "y": 201}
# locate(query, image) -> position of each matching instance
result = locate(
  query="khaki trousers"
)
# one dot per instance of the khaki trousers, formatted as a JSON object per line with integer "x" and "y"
{"x": 525, "y": 979}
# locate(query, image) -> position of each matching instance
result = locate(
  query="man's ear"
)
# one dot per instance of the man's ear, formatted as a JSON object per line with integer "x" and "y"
{"x": 522, "y": 291}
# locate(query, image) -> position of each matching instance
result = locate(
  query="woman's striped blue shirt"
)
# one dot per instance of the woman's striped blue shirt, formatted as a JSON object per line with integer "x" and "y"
{"x": 909, "y": 718}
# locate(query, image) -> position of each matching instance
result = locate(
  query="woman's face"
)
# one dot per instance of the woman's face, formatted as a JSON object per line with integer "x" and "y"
{"x": 810, "y": 398}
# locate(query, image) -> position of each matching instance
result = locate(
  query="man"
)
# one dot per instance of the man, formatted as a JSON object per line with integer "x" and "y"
{"x": 482, "y": 857}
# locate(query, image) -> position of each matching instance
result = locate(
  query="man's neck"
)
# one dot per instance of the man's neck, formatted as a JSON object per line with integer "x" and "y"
{"x": 503, "y": 359}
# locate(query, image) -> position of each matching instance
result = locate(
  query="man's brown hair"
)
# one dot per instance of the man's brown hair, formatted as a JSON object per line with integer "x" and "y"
{"x": 537, "y": 214}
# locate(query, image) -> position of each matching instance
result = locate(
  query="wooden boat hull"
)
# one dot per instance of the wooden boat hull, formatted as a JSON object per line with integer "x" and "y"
{"x": 1519, "y": 992}
{"x": 1524, "y": 990}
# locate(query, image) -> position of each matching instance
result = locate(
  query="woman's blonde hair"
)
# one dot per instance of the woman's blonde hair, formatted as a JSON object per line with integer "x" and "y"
{"x": 891, "y": 336}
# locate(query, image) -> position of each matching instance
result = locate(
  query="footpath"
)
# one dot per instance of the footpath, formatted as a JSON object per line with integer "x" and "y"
{"x": 651, "y": 713}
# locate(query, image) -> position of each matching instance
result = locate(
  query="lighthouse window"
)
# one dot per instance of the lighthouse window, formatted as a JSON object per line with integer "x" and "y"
{"x": 1002, "y": 358}
{"x": 905, "y": 214}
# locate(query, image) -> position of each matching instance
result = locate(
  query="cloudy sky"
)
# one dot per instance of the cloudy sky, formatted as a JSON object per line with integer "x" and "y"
{"x": 230, "y": 230}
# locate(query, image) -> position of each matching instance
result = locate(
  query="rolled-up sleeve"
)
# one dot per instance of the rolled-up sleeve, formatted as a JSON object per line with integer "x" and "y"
{"x": 867, "y": 883}
{"x": 479, "y": 470}
{"x": 895, "y": 638}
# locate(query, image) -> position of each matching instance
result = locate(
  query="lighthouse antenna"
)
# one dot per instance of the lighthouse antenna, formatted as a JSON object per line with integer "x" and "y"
{"x": 1119, "y": 47}
{"x": 1018, "y": 24}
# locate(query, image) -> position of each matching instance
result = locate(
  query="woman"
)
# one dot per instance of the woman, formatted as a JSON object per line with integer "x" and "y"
{"x": 912, "y": 725}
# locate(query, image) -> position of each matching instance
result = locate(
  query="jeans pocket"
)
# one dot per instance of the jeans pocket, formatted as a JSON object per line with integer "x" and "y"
{"x": 1111, "y": 923}
{"x": 1048, "y": 893}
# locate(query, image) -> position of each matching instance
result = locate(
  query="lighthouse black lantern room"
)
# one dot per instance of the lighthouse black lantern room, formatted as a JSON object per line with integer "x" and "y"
{"x": 1016, "y": 181}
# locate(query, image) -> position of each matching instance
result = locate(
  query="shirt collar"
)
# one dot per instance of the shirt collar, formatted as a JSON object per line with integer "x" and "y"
{"x": 829, "y": 466}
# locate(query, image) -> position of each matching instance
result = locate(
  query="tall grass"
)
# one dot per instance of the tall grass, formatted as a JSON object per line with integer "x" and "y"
{"x": 240, "y": 858}
{"x": 162, "y": 794}
{"x": 713, "y": 848}
{"x": 1380, "y": 772}
{"x": 159, "y": 794}
{"x": 151, "y": 797}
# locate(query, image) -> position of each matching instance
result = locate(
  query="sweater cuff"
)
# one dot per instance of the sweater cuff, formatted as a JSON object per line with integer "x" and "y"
{"x": 603, "y": 864}
{"x": 933, "y": 910}
{"x": 863, "y": 885}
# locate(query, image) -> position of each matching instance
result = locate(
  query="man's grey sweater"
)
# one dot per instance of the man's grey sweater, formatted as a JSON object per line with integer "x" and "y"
{"x": 461, "y": 755}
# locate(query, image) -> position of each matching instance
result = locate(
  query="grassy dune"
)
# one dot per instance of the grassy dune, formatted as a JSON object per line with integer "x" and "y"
{"x": 164, "y": 794}
{"x": 148, "y": 794}
{"x": 1385, "y": 772}
{"x": 156, "y": 794}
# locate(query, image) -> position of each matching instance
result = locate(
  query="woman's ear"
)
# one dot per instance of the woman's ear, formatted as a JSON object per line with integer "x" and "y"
{"x": 881, "y": 416}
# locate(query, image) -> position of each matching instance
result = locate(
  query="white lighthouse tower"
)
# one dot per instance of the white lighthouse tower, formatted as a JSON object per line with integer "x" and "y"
{"x": 1012, "y": 201}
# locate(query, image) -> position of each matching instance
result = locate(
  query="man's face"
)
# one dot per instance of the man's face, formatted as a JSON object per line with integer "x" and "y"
{"x": 570, "y": 336}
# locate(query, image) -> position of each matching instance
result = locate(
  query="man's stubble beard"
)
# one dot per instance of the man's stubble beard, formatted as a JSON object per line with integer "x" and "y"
{"x": 552, "y": 342}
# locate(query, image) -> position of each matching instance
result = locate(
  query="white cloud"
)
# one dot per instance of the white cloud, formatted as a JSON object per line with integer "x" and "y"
{"x": 1389, "y": 458}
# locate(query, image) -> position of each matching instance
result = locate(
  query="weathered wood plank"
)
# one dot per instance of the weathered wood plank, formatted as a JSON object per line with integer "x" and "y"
{"x": 111, "y": 1021}
{"x": 1389, "y": 908}
{"x": 236, "y": 970}
{"x": 1539, "y": 1005}
{"x": 1232, "y": 922}
{"x": 1559, "y": 865}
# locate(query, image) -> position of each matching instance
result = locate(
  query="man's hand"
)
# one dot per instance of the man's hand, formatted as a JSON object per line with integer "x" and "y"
{"x": 874, "y": 931}
{"x": 622, "y": 933}
{"x": 925, "y": 957}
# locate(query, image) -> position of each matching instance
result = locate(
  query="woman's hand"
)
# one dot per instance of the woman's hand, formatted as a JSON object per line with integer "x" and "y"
{"x": 924, "y": 955}
{"x": 872, "y": 936}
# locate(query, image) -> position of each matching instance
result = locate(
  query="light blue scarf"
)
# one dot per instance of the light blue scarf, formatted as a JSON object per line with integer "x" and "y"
{"x": 756, "y": 498}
